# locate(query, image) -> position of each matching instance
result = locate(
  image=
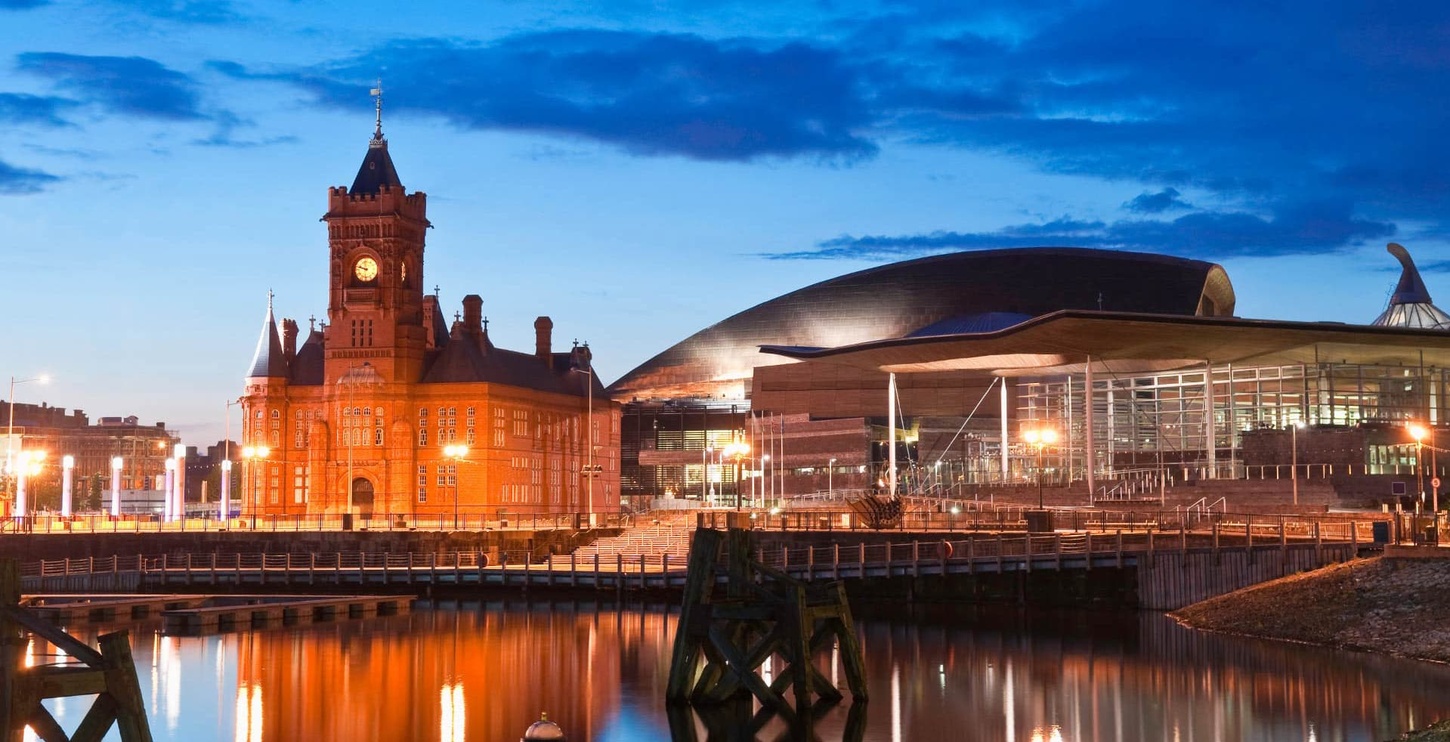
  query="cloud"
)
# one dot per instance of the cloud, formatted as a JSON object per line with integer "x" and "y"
{"x": 1157, "y": 203}
{"x": 208, "y": 12}
{"x": 17, "y": 108}
{"x": 649, "y": 94}
{"x": 1298, "y": 230}
{"x": 15, "y": 180}
{"x": 127, "y": 85}
{"x": 224, "y": 135}
{"x": 22, "y": 4}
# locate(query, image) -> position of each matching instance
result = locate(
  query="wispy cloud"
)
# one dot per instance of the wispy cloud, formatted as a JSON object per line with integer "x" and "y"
{"x": 1303, "y": 229}
{"x": 126, "y": 85}
{"x": 188, "y": 11}
{"x": 16, "y": 108}
{"x": 1157, "y": 203}
{"x": 651, "y": 94}
{"x": 22, "y": 4}
{"x": 16, "y": 180}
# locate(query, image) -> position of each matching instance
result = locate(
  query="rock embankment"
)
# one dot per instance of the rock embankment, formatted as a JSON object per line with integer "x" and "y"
{"x": 1393, "y": 606}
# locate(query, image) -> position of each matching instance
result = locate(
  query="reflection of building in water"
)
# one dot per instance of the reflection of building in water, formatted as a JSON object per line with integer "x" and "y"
{"x": 435, "y": 674}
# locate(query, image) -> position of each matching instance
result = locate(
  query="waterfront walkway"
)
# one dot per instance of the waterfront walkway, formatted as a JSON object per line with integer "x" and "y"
{"x": 1224, "y": 562}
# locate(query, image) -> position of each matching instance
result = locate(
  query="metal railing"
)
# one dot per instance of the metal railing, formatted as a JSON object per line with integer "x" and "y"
{"x": 277, "y": 523}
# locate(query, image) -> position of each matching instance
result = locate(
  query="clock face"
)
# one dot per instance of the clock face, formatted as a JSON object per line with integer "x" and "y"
{"x": 366, "y": 269}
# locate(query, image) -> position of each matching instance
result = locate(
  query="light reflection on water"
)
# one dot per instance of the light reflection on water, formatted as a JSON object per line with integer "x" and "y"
{"x": 483, "y": 672}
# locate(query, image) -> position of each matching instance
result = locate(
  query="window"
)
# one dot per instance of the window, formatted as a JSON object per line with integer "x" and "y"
{"x": 299, "y": 484}
{"x": 423, "y": 483}
{"x": 422, "y": 437}
{"x": 378, "y": 438}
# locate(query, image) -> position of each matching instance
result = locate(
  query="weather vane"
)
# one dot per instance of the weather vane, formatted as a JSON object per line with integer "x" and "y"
{"x": 377, "y": 94}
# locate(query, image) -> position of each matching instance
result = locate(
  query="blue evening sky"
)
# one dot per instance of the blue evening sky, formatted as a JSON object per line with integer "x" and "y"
{"x": 639, "y": 170}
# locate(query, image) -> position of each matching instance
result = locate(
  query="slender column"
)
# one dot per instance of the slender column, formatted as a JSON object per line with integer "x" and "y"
{"x": 1089, "y": 451}
{"x": 891, "y": 433}
{"x": 1006, "y": 462}
{"x": 21, "y": 509}
{"x": 1208, "y": 420}
{"x": 170, "y": 483}
{"x": 116, "y": 464}
{"x": 67, "y": 480}
{"x": 225, "y": 508}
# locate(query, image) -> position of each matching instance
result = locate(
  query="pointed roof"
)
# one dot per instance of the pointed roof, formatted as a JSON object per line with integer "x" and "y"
{"x": 1410, "y": 306}
{"x": 377, "y": 171}
{"x": 308, "y": 367}
{"x": 268, "y": 361}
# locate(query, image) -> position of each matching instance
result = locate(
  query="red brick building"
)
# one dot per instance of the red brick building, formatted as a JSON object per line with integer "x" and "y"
{"x": 357, "y": 418}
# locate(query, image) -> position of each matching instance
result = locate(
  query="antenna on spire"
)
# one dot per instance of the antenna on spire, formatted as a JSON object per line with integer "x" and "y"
{"x": 377, "y": 94}
{"x": 269, "y": 301}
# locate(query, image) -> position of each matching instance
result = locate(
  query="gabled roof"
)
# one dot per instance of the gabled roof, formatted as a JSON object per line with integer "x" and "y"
{"x": 268, "y": 361}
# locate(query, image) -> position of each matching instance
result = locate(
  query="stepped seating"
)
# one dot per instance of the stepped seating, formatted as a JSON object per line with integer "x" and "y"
{"x": 653, "y": 540}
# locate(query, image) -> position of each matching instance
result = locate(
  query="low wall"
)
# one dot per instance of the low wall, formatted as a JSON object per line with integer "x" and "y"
{"x": 29, "y": 547}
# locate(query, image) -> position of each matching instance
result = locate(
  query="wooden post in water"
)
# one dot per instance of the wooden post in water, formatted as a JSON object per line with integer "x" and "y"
{"x": 109, "y": 674}
{"x": 722, "y": 640}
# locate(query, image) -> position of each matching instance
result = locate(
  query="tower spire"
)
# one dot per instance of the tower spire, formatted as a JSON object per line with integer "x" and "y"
{"x": 377, "y": 94}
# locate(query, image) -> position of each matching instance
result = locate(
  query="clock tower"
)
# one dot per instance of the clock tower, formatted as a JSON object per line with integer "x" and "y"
{"x": 375, "y": 234}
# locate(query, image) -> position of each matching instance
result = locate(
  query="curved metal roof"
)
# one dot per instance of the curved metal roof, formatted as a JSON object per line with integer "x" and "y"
{"x": 895, "y": 300}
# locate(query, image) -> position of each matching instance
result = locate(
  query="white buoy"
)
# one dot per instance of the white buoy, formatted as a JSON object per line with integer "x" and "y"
{"x": 543, "y": 729}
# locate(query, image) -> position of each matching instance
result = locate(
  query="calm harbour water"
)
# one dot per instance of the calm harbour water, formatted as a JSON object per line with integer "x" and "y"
{"x": 482, "y": 672}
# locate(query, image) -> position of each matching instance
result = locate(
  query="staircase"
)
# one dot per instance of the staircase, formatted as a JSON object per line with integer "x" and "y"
{"x": 651, "y": 540}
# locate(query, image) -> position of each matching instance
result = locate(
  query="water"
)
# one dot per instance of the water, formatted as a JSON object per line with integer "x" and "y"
{"x": 484, "y": 671}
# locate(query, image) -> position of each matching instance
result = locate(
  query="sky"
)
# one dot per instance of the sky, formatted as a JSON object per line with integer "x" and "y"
{"x": 640, "y": 170}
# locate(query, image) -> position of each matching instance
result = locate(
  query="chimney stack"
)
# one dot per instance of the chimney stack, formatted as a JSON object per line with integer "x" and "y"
{"x": 289, "y": 340}
{"x": 473, "y": 314}
{"x": 543, "y": 339}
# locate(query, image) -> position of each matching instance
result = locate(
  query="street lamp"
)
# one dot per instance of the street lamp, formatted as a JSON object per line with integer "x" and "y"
{"x": 738, "y": 450}
{"x": 1039, "y": 438}
{"x": 252, "y": 454}
{"x": 1418, "y": 432}
{"x": 10, "y": 426}
{"x": 830, "y": 479}
{"x": 455, "y": 451}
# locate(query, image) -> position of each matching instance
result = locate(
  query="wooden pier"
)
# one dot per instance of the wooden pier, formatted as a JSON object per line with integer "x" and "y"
{"x": 226, "y": 613}
{"x": 70, "y": 608}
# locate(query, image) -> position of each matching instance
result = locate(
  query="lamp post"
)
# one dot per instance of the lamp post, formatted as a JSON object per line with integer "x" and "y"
{"x": 10, "y": 427}
{"x": 166, "y": 497}
{"x": 737, "y": 450}
{"x": 1418, "y": 432}
{"x": 67, "y": 468}
{"x": 1294, "y": 457}
{"x": 1039, "y": 438}
{"x": 830, "y": 479}
{"x": 252, "y": 454}
{"x": 456, "y": 452}
{"x": 705, "y": 474}
{"x": 117, "y": 463}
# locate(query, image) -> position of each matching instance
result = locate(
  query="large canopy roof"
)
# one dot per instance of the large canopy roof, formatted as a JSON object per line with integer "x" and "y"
{"x": 1063, "y": 342}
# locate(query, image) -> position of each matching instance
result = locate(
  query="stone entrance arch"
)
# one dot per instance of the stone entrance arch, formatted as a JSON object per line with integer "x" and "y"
{"x": 362, "y": 497}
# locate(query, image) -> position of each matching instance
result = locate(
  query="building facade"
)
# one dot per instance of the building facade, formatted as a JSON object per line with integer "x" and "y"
{"x": 57, "y": 433}
{"x": 367, "y": 415}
